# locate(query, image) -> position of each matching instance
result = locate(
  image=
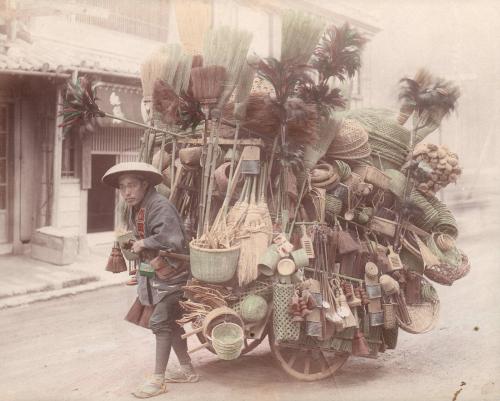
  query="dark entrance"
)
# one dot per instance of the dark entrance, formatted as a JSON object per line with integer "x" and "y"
{"x": 101, "y": 198}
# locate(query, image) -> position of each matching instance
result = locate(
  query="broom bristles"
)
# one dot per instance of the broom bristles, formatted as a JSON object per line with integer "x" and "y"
{"x": 207, "y": 83}
{"x": 227, "y": 47}
{"x": 300, "y": 34}
{"x": 242, "y": 92}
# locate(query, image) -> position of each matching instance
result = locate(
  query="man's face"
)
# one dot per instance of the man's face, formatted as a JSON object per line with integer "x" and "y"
{"x": 132, "y": 189}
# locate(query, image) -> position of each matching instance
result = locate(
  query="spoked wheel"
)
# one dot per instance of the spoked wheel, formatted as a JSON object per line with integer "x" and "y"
{"x": 306, "y": 364}
{"x": 248, "y": 345}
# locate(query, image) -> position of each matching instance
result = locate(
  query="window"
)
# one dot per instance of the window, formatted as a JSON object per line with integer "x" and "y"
{"x": 68, "y": 156}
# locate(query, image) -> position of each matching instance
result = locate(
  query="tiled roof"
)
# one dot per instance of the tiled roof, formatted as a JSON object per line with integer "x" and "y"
{"x": 53, "y": 57}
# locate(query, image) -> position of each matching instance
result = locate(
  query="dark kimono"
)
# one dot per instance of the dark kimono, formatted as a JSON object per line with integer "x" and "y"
{"x": 163, "y": 230}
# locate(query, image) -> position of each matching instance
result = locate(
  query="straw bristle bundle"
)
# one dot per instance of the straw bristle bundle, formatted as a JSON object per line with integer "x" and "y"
{"x": 152, "y": 69}
{"x": 182, "y": 74}
{"x": 207, "y": 83}
{"x": 227, "y": 47}
{"x": 243, "y": 89}
{"x": 168, "y": 63}
{"x": 300, "y": 34}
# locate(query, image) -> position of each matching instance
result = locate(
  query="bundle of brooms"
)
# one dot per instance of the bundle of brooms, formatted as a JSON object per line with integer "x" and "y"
{"x": 225, "y": 52}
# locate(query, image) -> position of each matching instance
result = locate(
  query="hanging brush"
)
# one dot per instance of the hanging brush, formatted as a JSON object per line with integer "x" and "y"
{"x": 116, "y": 261}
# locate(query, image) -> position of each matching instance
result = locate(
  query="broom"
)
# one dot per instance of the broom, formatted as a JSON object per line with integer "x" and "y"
{"x": 239, "y": 209}
{"x": 254, "y": 242}
{"x": 300, "y": 34}
{"x": 116, "y": 261}
{"x": 241, "y": 97}
{"x": 206, "y": 85}
{"x": 229, "y": 48}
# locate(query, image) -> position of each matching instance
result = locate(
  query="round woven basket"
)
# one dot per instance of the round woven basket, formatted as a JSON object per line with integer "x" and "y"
{"x": 350, "y": 143}
{"x": 445, "y": 274}
{"x": 253, "y": 308}
{"x": 425, "y": 315}
{"x": 454, "y": 264}
{"x": 213, "y": 265}
{"x": 227, "y": 340}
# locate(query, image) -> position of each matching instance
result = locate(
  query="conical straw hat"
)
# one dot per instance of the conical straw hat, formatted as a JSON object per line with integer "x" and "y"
{"x": 145, "y": 170}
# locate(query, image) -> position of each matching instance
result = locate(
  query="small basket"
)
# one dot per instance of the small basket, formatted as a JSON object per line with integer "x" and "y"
{"x": 227, "y": 340}
{"x": 253, "y": 308}
{"x": 389, "y": 310}
{"x": 446, "y": 274}
{"x": 213, "y": 265}
{"x": 285, "y": 329}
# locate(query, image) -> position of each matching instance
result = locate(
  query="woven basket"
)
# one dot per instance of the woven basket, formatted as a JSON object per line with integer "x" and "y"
{"x": 344, "y": 169}
{"x": 284, "y": 328}
{"x": 350, "y": 143}
{"x": 253, "y": 308}
{"x": 445, "y": 274}
{"x": 213, "y": 265}
{"x": 424, "y": 315}
{"x": 227, "y": 340}
{"x": 333, "y": 207}
{"x": 454, "y": 264}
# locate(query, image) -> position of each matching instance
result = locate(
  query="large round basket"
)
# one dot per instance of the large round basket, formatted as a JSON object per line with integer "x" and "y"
{"x": 213, "y": 265}
{"x": 424, "y": 314}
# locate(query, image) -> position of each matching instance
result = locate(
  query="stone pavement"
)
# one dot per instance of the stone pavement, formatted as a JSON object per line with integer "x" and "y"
{"x": 26, "y": 280}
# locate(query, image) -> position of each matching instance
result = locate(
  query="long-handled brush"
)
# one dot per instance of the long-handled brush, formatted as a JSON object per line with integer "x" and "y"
{"x": 254, "y": 241}
{"x": 228, "y": 48}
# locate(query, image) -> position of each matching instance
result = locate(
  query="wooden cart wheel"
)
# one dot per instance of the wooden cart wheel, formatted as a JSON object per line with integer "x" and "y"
{"x": 306, "y": 364}
{"x": 249, "y": 344}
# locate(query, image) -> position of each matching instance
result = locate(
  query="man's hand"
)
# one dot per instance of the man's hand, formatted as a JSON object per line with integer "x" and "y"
{"x": 138, "y": 246}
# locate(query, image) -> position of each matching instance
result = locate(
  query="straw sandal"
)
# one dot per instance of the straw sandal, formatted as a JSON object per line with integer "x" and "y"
{"x": 185, "y": 374}
{"x": 152, "y": 387}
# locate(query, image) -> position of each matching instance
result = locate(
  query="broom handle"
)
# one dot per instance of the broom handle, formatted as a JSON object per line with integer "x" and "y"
{"x": 212, "y": 175}
{"x": 201, "y": 212}
{"x": 230, "y": 190}
{"x": 271, "y": 160}
{"x": 142, "y": 125}
{"x": 231, "y": 170}
{"x": 299, "y": 201}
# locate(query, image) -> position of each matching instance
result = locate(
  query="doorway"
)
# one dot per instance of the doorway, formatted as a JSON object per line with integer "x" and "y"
{"x": 101, "y": 198}
{"x": 5, "y": 171}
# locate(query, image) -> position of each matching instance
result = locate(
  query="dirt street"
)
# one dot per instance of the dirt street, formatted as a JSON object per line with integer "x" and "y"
{"x": 79, "y": 348}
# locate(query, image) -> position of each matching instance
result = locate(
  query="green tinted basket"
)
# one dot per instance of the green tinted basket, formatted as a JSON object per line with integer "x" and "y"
{"x": 213, "y": 265}
{"x": 285, "y": 329}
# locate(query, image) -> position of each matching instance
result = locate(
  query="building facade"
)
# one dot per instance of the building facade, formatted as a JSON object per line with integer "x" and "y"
{"x": 50, "y": 181}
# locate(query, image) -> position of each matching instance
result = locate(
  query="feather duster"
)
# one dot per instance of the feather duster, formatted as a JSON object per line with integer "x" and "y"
{"x": 283, "y": 76}
{"x": 264, "y": 116}
{"x": 327, "y": 99}
{"x": 431, "y": 98}
{"x": 338, "y": 53}
{"x": 79, "y": 106}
